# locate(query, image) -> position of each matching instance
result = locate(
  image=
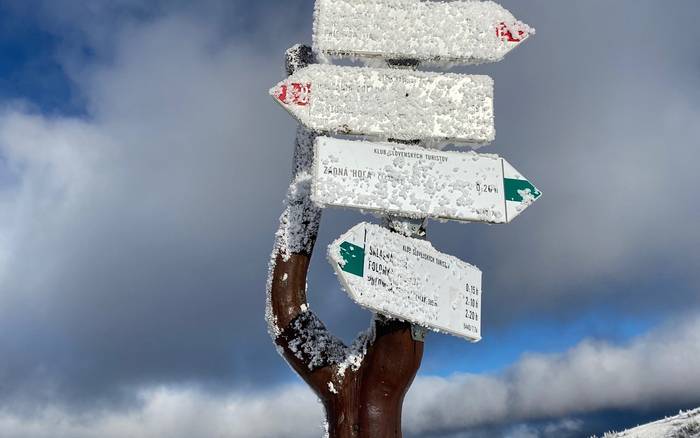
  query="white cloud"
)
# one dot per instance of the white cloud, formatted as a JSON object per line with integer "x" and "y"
{"x": 149, "y": 221}
{"x": 183, "y": 413}
{"x": 654, "y": 370}
{"x": 539, "y": 396}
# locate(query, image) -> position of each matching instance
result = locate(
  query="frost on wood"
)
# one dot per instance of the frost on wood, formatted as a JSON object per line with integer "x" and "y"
{"x": 356, "y": 352}
{"x": 300, "y": 220}
{"x": 417, "y": 182}
{"x": 391, "y": 103}
{"x": 468, "y": 32}
{"x": 310, "y": 342}
{"x": 296, "y": 57}
{"x": 408, "y": 279}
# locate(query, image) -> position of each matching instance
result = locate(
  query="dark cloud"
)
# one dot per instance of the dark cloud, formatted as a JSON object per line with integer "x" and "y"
{"x": 137, "y": 244}
{"x": 566, "y": 395}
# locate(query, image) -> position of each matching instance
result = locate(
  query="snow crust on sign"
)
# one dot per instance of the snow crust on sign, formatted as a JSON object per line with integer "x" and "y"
{"x": 683, "y": 425}
{"x": 408, "y": 279}
{"x": 468, "y": 32}
{"x": 413, "y": 181}
{"x": 391, "y": 103}
{"x": 299, "y": 222}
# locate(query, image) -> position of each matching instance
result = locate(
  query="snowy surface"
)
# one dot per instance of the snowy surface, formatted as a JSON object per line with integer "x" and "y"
{"x": 408, "y": 279}
{"x": 468, "y": 32}
{"x": 415, "y": 182}
{"x": 311, "y": 342}
{"x": 391, "y": 103}
{"x": 684, "y": 425}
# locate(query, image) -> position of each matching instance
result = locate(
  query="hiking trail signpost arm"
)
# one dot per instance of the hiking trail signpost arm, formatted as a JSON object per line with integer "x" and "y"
{"x": 362, "y": 386}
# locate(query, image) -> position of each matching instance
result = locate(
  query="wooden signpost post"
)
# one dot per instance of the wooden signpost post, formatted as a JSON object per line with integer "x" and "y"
{"x": 392, "y": 271}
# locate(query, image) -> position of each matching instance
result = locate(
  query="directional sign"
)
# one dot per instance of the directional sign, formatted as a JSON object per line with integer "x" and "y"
{"x": 390, "y": 103}
{"x": 418, "y": 182}
{"x": 467, "y": 32}
{"x": 408, "y": 279}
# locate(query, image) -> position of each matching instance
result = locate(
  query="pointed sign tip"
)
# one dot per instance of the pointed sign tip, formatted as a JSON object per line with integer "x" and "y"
{"x": 291, "y": 93}
{"x": 514, "y": 32}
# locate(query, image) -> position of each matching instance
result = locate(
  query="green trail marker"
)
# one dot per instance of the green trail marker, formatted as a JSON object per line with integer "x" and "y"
{"x": 407, "y": 278}
{"x": 353, "y": 259}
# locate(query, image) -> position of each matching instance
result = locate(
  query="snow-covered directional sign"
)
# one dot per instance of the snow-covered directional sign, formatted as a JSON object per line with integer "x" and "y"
{"x": 418, "y": 182}
{"x": 391, "y": 103}
{"x": 466, "y": 31}
{"x": 408, "y": 279}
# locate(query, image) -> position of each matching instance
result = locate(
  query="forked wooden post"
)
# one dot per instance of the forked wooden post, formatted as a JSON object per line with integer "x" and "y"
{"x": 362, "y": 386}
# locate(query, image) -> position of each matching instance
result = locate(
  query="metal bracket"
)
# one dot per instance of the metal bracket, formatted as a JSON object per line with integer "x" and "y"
{"x": 403, "y": 63}
{"x": 409, "y": 227}
{"x": 418, "y": 332}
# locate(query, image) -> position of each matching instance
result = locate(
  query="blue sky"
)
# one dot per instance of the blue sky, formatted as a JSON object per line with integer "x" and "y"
{"x": 142, "y": 169}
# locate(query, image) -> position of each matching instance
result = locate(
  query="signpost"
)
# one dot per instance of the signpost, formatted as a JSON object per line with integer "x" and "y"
{"x": 408, "y": 279}
{"x": 408, "y": 284}
{"x": 465, "y": 32}
{"x": 418, "y": 182}
{"x": 389, "y": 103}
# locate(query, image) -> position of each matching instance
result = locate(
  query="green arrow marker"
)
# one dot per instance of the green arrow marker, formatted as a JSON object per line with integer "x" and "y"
{"x": 513, "y": 186}
{"x": 353, "y": 258}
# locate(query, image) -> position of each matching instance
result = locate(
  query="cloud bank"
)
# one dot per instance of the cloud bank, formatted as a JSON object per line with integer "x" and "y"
{"x": 539, "y": 396}
{"x": 143, "y": 230}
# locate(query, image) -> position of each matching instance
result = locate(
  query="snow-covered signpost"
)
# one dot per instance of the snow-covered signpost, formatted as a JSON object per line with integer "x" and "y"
{"x": 408, "y": 279}
{"x": 463, "y": 32}
{"x": 390, "y": 103}
{"x": 418, "y": 182}
{"x": 392, "y": 271}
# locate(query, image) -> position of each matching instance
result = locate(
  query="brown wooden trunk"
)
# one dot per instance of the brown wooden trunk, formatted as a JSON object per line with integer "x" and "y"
{"x": 364, "y": 401}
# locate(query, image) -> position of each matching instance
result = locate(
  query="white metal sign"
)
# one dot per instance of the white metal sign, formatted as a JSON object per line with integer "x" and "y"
{"x": 418, "y": 182}
{"x": 408, "y": 279}
{"x": 390, "y": 103}
{"x": 467, "y": 32}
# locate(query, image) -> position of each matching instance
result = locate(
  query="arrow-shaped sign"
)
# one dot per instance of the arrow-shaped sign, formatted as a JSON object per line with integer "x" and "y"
{"x": 390, "y": 103}
{"x": 408, "y": 279}
{"x": 467, "y": 32}
{"x": 418, "y": 182}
